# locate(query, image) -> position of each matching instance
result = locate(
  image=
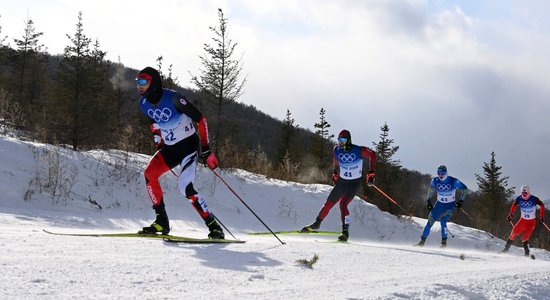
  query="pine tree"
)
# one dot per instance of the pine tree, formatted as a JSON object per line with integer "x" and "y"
{"x": 30, "y": 73}
{"x": 493, "y": 199}
{"x": 168, "y": 81}
{"x": 387, "y": 168}
{"x": 322, "y": 140}
{"x": 289, "y": 132}
{"x": 2, "y": 39}
{"x": 221, "y": 74}
{"x": 81, "y": 97}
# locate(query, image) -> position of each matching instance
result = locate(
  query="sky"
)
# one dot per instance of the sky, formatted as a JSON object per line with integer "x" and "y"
{"x": 454, "y": 80}
{"x": 379, "y": 262}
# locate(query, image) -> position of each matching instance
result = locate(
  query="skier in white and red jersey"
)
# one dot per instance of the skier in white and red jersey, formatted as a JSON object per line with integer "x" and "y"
{"x": 526, "y": 224}
{"x": 347, "y": 175}
{"x": 172, "y": 117}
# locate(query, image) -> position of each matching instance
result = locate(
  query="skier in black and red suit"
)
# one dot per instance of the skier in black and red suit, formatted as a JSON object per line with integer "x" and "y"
{"x": 172, "y": 117}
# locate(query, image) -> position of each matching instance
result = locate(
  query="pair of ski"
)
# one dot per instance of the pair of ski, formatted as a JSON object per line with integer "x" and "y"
{"x": 166, "y": 237}
{"x": 183, "y": 239}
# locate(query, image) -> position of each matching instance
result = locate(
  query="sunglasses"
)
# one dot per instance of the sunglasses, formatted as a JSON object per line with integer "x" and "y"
{"x": 441, "y": 173}
{"x": 141, "y": 81}
{"x": 342, "y": 139}
{"x": 525, "y": 193}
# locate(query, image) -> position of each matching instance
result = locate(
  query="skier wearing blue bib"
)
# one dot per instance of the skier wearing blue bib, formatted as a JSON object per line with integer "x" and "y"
{"x": 347, "y": 174}
{"x": 442, "y": 210}
{"x": 172, "y": 119}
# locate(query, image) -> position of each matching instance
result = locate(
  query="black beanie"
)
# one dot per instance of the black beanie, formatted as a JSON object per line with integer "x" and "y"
{"x": 154, "y": 92}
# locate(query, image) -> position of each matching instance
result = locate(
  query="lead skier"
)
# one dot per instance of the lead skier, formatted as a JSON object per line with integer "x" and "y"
{"x": 172, "y": 116}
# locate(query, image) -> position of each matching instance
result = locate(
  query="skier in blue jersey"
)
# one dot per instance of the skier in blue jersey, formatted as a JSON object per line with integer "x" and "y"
{"x": 348, "y": 160}
{"x": 172, "y": 119}
{"x": 445, "y": 186}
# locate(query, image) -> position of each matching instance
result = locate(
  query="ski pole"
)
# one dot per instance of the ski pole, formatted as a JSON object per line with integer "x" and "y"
{"x": 543, "y": 223}
{"x": 389, "y": 198}
{"x": 449, "y": 232}
{"x": 217, "y": 219}
{"x": 472, "y": 219}
{"x": 244, "y": 203}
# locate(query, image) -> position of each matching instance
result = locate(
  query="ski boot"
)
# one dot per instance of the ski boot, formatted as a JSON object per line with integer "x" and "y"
{"x": 313, "y": 226}
{"x": 422, "y": 241}
{"x": 526, "y": 248}
{"x": 216, "y": 231}
{"x": 345, "y": 234}
{"x": 161, "y": 223}
{"x": 443, "y": 243}
{"x": 507, "y": 246}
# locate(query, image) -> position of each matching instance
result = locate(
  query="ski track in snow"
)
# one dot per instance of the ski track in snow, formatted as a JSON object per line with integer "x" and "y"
{"x": 378, "y": 263}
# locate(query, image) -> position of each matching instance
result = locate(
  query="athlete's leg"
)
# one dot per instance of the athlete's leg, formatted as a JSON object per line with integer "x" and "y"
{"x": 185, "y": 185}
{"x": 155, "y": 168}
{"x": 529, "y": 227}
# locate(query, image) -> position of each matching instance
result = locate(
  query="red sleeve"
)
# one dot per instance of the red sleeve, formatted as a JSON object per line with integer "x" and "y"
{"x": 203, "y": 131}
{"x": 513, "y": 208}
{"x": 366, "y": 152}
{"x": 541, "y": 205}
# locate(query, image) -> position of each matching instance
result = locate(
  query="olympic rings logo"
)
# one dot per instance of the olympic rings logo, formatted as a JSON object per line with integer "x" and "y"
{"x": 443, "y": 187}
{"x": 160, "y": 115}
{"x": 347, "y": 157}
{"x": 525, "y": 203}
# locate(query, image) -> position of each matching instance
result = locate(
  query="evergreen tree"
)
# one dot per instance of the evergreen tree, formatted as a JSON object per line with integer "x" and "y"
{"x": 30, "y": 73}
{"x": 493, "y": 198}
{"x": 79, "y": 101}
{"x": 221, "y": 74}
{"x": 321, "y": 142}
{"x": 2, "y": 39}
{"x": 168, "y": 81}
{"x": 289, "y": 132}
{"x": 387, "y": 168}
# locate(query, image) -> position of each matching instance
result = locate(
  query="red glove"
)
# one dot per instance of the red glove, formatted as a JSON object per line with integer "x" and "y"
{"x": 209, "y": 158}
{"x": 370, "y": 178}
{"x": 335, "y": 177}
{"x": 157, "y": 137}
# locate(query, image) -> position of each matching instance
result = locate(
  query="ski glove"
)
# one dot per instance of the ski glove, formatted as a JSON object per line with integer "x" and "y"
{"x": 157, "y": 138}
{"x": 370, "y": 178}
{"x": 429, "y": 205}
{"x": 335, "y": 177}
{"x": 458, "y": 204}
{"x": 209, "y": 158}
{"x": 541, "y": 220}
{"x": 510, "y": 217}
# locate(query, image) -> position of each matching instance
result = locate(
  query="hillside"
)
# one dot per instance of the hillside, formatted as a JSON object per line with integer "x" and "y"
{"x": 378, "y": 263}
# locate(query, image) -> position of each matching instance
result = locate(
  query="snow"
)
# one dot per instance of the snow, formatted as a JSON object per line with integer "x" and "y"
{"x": 378, "y": 263}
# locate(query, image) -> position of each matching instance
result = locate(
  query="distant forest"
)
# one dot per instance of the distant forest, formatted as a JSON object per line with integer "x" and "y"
{"x": 81, "y": 100}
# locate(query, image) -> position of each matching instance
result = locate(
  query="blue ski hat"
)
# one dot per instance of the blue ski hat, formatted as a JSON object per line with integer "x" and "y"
{"x": 442, "y": 170}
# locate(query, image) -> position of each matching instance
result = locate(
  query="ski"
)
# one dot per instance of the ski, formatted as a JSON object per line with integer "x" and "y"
{"x": 129, "y": 234}
{"x": 295, "y": 232}
{"x": 200, "y": 241}
{"x": 165, "y": 237}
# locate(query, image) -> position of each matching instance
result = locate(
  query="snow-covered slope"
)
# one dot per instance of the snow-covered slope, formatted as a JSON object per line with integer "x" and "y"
{"x": 379, "y": 262}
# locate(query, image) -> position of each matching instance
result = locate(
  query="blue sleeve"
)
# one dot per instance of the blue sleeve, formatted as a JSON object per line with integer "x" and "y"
{"x": 461, "y": 186}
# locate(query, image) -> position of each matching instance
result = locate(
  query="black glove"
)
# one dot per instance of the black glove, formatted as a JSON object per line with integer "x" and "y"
{"x": 429, "y": 205}
{"x": 458, "y": 204}
{"x": 541, "y": 220}
{"x": 510, "y": 217}
{"x": 370, "y": 178}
